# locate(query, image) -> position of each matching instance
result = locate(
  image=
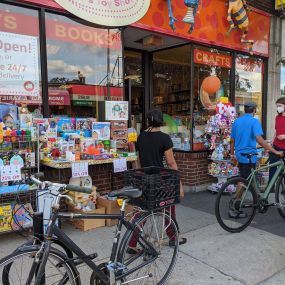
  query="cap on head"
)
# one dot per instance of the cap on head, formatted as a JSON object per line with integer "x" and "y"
{"x": 281, "y": 100}
{"x": 250, "y": 104}
{"x": 155, "y": 118}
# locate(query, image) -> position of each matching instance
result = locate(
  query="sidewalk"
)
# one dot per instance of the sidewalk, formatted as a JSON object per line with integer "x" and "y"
{"x": 210, "y": 257}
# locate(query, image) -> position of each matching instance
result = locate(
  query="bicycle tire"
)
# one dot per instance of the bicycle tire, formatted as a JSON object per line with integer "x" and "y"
{"x": 280, "y": 187}
{"x": 31, "y": 252}
{"x": 143, "y": 222}
{"x": 225, "y": 191}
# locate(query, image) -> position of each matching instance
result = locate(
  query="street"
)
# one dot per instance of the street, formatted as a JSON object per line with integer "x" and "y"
{"x": 211, "y": 255}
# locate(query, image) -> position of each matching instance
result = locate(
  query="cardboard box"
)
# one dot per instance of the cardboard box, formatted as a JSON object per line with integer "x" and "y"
{"x": 112, "y": 207}
{"x": 82, "y": 198}
{"x": 88, "y": 224}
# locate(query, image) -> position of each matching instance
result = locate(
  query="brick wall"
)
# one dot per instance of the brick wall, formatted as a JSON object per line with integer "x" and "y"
{"x": 102, "y": 176}
{"x": 194, "y": 170}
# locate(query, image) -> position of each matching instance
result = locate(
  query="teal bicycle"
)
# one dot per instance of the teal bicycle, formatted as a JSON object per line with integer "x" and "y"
{"x": 239, "y": 199}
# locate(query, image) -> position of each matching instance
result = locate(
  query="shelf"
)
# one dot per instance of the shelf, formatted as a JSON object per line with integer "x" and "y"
{"x": 174, "y": 103}
{"x": 179, "y": 91}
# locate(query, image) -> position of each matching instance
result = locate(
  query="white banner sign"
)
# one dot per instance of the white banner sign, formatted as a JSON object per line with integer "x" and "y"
{"x": 10, "y": 173}
{"x": 19, "y": 66}
{"x": 79, "y": 169}
{"x": 112, "y": 13}
{"x": 117, "y": 110}
{"x": 120, "y": 165}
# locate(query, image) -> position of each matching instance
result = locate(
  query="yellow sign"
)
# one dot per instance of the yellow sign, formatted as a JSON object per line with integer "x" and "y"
{"x": 279, "y": 4}
{"x": 112, "y": 13}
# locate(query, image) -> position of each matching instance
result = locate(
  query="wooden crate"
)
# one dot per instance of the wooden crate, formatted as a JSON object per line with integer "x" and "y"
{"x": 112, "y": 207}
{"x": 89, "y": 224}
{"x": 81, "y": 197}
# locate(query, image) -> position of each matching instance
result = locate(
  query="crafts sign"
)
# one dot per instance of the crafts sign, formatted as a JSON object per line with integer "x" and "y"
{"x": 113, "y": 13}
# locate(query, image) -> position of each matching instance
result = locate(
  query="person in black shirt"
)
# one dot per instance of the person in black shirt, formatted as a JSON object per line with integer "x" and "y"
{"x": 152, "y": 146}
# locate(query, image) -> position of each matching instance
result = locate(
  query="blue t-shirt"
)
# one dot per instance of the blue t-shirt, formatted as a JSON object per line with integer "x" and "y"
{"x": 244, "y": 131}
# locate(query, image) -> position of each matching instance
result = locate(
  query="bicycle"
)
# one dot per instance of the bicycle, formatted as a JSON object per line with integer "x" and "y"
{"x": 239, "y": 198}
{"x": 42, "y": 264}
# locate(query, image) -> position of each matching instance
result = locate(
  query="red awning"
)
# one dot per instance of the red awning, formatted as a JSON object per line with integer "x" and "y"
{"x": 58, "y": 98}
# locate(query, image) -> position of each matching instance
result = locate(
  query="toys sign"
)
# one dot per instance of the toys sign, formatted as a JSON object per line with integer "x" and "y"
{"x": 113, "y": 13}
{"x": 10, "y": 173}
{"x": 19, "y": 66}
{"x": 79, "y": 169}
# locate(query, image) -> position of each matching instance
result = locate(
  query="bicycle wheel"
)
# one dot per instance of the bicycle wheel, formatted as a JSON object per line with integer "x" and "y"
{"x": 19, "y": 265}
{"x": 160, "y": 230}
{"x": 235, "y": 205}
{"x": 280, "y": 196}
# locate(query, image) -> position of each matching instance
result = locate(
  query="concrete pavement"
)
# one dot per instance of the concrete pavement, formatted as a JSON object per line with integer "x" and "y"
{"x": 211, "y": 256}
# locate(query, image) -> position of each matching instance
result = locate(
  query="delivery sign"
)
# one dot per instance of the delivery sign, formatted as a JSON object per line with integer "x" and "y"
{"x": 19, "y": 66}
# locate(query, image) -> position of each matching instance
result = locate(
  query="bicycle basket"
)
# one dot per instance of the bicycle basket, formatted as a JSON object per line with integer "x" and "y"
{"x": 160, "y": 187}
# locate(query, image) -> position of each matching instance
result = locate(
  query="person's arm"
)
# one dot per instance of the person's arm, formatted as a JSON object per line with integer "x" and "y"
{"x": 171, "y": 163}
{"x": 267, "y": 146}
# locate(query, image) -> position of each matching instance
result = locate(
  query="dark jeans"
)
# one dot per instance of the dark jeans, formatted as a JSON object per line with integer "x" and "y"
{"x": 272, "y": 159}
{"x": 245, "y": 169}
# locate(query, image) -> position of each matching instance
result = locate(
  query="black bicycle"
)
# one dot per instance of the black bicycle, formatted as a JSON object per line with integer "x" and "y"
{"x": 155, "y": 234}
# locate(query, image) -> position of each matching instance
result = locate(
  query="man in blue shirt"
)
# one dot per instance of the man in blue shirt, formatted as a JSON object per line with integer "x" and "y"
{"x": 246, "y": 133}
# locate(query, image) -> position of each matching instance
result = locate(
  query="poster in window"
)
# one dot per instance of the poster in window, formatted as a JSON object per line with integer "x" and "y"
{"x": 117, "y": 110}
{"x": 19, "y": 66}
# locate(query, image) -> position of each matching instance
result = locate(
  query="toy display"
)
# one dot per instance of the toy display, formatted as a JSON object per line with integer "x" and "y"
{"x": 217, "y": 139}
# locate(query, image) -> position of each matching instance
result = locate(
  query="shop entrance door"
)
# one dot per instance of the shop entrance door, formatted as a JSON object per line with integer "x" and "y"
{"x": 134, "y": 89}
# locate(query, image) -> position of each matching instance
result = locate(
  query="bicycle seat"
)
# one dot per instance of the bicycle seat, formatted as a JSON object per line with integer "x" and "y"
{"x": 249, "y": 155}
{"x": 126, "y": 192}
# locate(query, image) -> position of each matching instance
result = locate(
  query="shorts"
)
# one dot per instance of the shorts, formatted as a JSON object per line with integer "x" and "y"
{"x": 245, "y": 169}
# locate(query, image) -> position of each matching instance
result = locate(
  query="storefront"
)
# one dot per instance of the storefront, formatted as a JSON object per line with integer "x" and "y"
{"x": 78, "y": 66}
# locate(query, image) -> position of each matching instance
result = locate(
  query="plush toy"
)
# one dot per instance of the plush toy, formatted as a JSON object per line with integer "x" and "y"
{"x": 55, "y": 153}
{"x": 24, "y": 109}
{"x": 220, "y": 152}
{"x": 43, "y": 141}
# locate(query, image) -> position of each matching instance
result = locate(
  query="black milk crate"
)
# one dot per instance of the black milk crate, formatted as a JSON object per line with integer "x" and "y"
{"x": 160, "y": 186}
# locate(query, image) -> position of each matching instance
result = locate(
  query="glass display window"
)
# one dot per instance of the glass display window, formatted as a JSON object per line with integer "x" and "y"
{"x": 20, "y": 71}
{"x": 249, "y": 76}
{"x": 171, "y": 93}
{"x": 84, "y": 61}
{"x": 212, "y": 71}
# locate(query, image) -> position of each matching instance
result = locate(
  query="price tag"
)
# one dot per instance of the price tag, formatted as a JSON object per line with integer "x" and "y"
{"x": 120, "y": 165}
{"x": 10, "y": 173}
{"x": 79, "y": 169}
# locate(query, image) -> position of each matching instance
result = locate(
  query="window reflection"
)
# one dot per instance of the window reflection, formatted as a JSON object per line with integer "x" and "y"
{"x": 86, "y": 62}
{"x": 248, "y": 83}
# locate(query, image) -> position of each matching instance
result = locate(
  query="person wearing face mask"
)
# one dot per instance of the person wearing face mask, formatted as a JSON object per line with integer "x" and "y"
{"x": 279, "y": 139}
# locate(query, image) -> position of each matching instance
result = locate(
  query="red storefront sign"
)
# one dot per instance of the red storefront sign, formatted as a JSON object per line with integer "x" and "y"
{"x": 99, "y": 93}
{"x": 56, "y": 98}
{"x": 214, "y": 59}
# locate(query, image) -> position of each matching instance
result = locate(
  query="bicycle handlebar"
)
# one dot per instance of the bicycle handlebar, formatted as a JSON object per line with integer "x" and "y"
{"x": 69, "y": 187}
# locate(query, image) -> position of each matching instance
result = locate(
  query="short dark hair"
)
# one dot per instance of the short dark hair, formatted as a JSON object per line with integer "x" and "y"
{"x": 249, "y": 110}
{"x": 155, "y": 118}
{"x": 281, "y": 100}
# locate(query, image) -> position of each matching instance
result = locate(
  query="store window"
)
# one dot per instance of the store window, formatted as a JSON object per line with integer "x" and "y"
{"x": 171, "y": 93}
{"x": 84, "y": 66}
{"x": 211, "y": 82}
{"x": 20, "y": 73}
{"x": 249, "y": 76}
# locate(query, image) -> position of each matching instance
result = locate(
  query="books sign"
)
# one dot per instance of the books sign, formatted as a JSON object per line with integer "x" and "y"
{"x": 112, "y": 13}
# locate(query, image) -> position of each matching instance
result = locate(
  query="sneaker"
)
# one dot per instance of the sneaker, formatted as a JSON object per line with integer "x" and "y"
{"x": 172, "y": 243}
{"x": 234, "y": 214}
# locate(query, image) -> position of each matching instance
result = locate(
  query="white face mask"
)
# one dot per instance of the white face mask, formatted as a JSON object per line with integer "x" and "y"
{"x": 280, "y": 109}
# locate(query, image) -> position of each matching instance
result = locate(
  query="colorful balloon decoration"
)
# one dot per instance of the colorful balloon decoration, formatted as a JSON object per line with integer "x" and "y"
{"x": 210, "y": 86}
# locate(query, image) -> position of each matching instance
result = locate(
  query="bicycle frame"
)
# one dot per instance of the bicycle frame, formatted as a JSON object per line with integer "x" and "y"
{"x": 54, "y": 230}
{"x": 252, "y": 179}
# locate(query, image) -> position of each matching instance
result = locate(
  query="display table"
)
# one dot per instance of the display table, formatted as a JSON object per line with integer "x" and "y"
{"x": 101, "y": 172}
